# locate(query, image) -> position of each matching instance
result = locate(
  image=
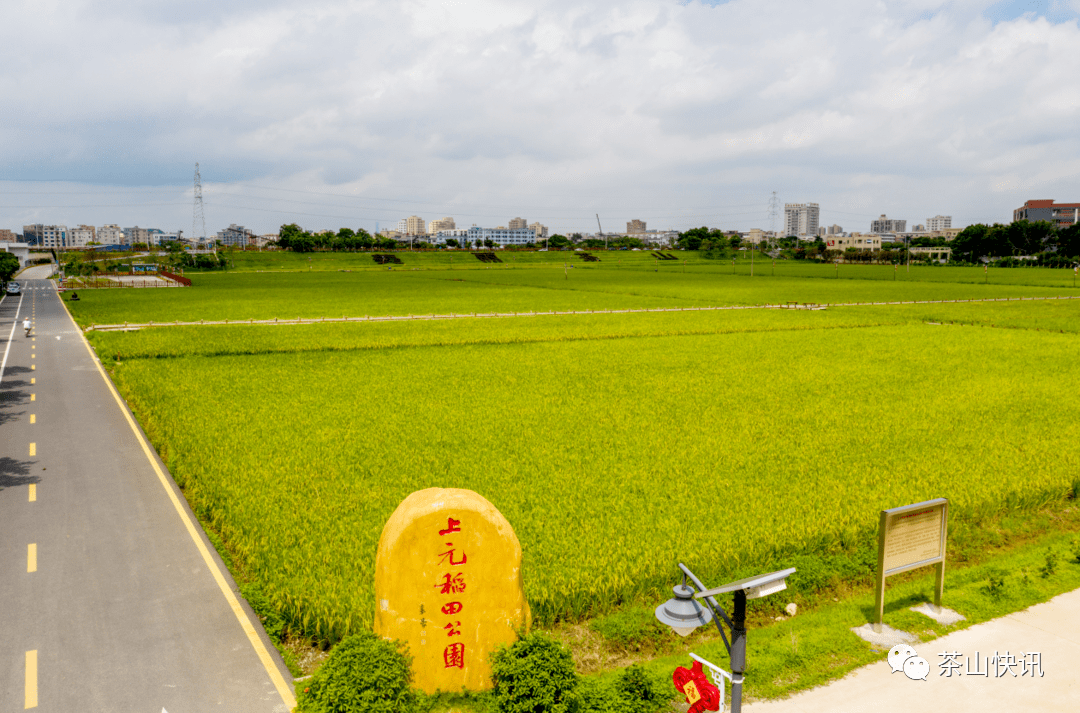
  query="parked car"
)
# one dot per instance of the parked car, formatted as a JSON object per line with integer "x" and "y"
{"x": 13, "y": 288}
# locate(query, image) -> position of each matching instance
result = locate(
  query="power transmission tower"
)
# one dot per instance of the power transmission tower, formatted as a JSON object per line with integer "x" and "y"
{"x": 774, "y": 213}
{"x": 198, "y": 220}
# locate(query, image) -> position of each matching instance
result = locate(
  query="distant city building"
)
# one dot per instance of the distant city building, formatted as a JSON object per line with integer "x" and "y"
{"x": 801, "y": 218}
{"x": 82, "y": 236}
{"x": 46, "y": 236}
{"x": 939, "y": 222}
{"x": 518, "y": 223}
{"x": 136, "y": 235}
{"x": 635, "y": 227}
{"x": 919, "y": 228}
{"x": 111, "y": 234}
{"x": 501, "y": 236}
{"x": 540, "y": 231}
{"x": 859, "y": 241}
{"x": 440, "y": 224}
{"x": 888, "y": 225}
{"x": 413, "y": 225}
{"x": 835, "y": 230}
{"x": 1060, "y": 214}
{"x": 6, "y": 236}
{"x": 236, "y": 235}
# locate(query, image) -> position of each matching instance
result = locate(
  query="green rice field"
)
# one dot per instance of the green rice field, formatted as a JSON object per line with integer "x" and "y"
{"x": 430, "y": 287}
{"x": 616, "y": 444}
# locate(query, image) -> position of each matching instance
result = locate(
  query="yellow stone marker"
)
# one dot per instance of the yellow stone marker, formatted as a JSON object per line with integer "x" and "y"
{"x": 448, "y": 583}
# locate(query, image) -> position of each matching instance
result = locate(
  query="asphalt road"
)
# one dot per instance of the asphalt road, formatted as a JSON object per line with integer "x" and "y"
{"x": 109, "y": 599}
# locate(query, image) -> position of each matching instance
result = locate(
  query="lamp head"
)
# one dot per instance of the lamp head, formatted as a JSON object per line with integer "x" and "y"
{"x": 682, "y": 613}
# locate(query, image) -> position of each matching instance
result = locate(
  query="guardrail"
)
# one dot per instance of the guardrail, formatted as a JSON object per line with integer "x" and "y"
{"x": 176, "y": 278}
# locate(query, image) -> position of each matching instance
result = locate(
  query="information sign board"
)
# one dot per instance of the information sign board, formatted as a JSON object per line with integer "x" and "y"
{"x": 909, "y": 537}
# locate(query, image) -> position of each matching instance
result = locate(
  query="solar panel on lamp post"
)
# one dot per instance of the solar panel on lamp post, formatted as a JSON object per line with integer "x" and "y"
{"x": 683, "y": 614}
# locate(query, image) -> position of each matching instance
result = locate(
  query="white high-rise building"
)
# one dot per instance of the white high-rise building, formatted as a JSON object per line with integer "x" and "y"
{"x": 939, "y": 222}
{"x": 801, "y": 218}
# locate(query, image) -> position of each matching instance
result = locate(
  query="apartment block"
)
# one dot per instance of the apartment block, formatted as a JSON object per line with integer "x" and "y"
{"x": 440, "y": 224}
{"x": 518, "y": 224}
{"x": 414, "y": 226}
{"x": 938, "y": 222}
{"x": 46, "y": 236}
{"x": 111, "y": 234}
{"x": 82, "y": 236}
{"x": 540, "y": 231}
{"x": 801, "y": 218}
{"x": 888, "y": 225}
{"x": 1060, "y": 214}
{"x": 236, "y": 235}
{"x": 635, "y": 227}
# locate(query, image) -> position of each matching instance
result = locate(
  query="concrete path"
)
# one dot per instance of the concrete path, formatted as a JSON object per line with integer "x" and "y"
{"x": 1051, "y": 629}
{"x": 111, "y": 598}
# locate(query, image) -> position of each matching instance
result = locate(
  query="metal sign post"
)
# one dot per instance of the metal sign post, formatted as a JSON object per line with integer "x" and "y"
{"x": 910, "y": 537}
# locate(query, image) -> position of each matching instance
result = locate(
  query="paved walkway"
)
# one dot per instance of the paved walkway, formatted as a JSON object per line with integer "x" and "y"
{"x": 111, "y": 598}
{"x": 1051, "y": 629}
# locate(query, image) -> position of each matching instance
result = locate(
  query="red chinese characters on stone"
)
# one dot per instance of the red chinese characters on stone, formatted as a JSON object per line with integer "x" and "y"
{"x": 699, "y": 692}
{"x": 454, "y": 656}
{"x": 451, "y": 584}
{"x": 452, "y": 525}
{"x": 448, "y": 557}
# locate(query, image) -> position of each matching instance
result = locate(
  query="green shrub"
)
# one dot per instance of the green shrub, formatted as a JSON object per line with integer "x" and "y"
{"x": 634, "y": 690}
{"x": 364, "y": 674}
{"x": 640, "y": 692}
{"x": 629, "y": 628}
{"x": 534, "y": 675}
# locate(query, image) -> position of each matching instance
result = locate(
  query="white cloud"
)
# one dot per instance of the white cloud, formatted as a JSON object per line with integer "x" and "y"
{"x": 674, "y": 113}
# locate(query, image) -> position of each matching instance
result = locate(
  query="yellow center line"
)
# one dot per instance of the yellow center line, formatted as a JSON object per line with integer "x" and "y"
{"x": 33, "y": 367}
{"x": 31, "y": 679}
{"x": 31, "y": 558}
{"x": 33, "y": 418}
{"x": 33, "y": 450}
{"x": 33, "y": 492}
{"x": 33, "y": 397}
{"x": 33, "y": 380}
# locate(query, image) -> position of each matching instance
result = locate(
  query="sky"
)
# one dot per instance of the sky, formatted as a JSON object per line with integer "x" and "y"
{"x": 356, "y": 114}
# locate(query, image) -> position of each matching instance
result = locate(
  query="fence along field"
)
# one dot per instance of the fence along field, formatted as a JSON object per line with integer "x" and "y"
{"x": 613, "y": 458}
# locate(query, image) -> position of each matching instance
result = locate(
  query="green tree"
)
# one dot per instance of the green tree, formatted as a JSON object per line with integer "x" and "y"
{"x": 9, "y": 265}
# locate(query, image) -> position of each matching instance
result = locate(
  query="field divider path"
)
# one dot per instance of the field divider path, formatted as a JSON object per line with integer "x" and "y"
{"x": 501, "y": 315}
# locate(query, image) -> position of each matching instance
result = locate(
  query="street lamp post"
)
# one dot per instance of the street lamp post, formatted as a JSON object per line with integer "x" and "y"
{"x": 683, "y": 614}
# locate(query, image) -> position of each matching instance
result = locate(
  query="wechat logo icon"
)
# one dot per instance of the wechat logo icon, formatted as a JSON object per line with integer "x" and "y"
{"x": 903, "y": 658}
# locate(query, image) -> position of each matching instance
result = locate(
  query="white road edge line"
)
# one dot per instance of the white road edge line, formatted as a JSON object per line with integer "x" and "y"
{"x": 14, "y": 323}
{"x": 245, "y": 622}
